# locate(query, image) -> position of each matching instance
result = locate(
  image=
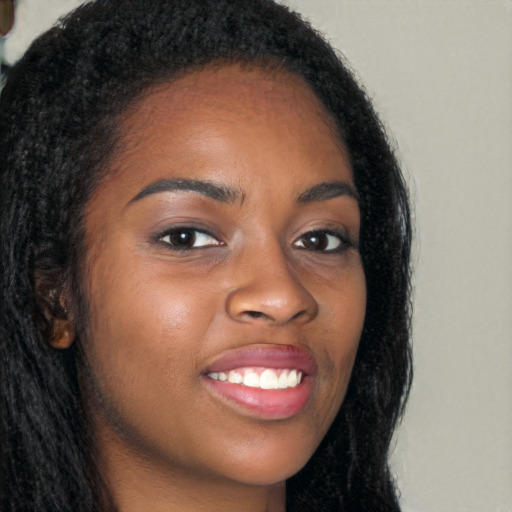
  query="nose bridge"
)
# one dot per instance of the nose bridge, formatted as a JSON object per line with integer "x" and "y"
{"x": 267, "y": 289}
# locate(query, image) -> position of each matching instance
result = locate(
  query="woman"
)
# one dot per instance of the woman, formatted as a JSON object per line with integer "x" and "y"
{"x": 205, "y": 243}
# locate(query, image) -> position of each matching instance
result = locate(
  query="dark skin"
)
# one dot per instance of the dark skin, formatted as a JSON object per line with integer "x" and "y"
{"x": 229, "y": 223}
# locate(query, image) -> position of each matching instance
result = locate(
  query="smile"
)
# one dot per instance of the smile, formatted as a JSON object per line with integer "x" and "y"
{"x": 267, "y": 382}
{"x": 263, "y": 378}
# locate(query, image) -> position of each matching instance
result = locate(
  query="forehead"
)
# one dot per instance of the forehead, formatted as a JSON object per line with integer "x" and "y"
{"x": 255, "y": 86}
{"x": 225, "y": 95}
{"x": 235, "y": 124}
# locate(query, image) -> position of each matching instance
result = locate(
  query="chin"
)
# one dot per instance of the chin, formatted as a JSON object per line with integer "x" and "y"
{"x": 268, "y": 469}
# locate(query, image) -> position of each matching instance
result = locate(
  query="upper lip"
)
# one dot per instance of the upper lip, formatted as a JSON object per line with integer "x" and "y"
{"x": 266, "y": 356}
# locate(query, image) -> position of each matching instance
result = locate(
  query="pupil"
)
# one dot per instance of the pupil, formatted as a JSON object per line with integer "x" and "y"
{"x": 183, "y": 238}
{"x": 316, "y": 241}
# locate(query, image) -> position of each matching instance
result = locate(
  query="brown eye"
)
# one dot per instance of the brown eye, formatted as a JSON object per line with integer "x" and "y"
{"x": 188, "y": 238}
{"x": 323, "y": 241}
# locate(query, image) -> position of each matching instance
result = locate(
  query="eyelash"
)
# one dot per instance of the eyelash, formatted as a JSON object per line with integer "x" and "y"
{"x": 188, "y": 233}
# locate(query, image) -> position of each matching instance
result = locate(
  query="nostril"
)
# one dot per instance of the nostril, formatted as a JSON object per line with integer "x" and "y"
{"x": 298, "y": 315}
{"x": 276, "y": 302}
{"x": 255, "y": 314}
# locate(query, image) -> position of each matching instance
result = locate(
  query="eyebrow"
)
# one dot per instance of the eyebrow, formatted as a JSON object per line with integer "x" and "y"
{"x": 321, "y": 192}
{"x": 205, "y": 188}
{"x": 328, "y": 190}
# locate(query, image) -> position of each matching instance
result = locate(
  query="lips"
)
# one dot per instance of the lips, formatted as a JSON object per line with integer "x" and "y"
{"x": 269, "y": 382}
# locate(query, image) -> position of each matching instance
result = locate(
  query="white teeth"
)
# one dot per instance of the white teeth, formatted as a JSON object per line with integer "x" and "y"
{"x": 251, "y": 379}
{"x": 235, "y": 377}
{"x": 283, "y": 380}
{"x": 292, "y": 379}
{"x": 267, "y": 378}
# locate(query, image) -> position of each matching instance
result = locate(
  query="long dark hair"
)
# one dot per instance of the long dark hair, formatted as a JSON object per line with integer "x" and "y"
{"x": 58, "y": 129}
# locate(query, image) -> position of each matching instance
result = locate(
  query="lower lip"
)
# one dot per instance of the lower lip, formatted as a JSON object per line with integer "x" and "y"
{"x": 273, "y": 404}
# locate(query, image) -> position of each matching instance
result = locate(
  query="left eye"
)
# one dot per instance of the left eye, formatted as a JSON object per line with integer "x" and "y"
{"x": 188, "y": 238}
{"x": 324, "y": 241}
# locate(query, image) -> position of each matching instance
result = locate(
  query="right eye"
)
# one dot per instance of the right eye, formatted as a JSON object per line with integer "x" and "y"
{"x": 183, "y": 239}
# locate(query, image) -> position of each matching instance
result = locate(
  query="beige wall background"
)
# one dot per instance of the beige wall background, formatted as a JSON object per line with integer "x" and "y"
{"x": 440, "y": 74}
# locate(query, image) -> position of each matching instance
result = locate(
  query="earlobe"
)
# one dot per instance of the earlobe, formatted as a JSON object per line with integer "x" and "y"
{"x": 63, "y": 334}
{"x": 63, "y": 331}
{"x": 54, "y": 315}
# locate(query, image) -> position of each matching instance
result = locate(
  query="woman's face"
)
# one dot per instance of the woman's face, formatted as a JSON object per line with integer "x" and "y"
{"x": 225, "y": 286}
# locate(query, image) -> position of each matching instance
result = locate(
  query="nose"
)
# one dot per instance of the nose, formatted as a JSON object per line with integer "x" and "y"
{"x": 268, "y": 291}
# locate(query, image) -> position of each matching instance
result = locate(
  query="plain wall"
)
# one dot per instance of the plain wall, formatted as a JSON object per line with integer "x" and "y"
{"x": 440, "y": 75}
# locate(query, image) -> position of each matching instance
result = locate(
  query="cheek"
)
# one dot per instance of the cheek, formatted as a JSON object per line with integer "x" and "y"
{"x": 342, "y": 300}
{"x": 144, "y": 299}
{"x": 145, "y": 328}
{"x": 350, "y": 318}
{"x": 343, "y": 321}
{"x": 143, "y": 349}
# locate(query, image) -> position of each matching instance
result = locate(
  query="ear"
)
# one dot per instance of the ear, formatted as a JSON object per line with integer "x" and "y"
{"x": 63, "y": 333}
{"x": 54, "y": 315}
